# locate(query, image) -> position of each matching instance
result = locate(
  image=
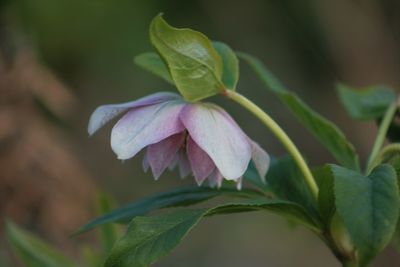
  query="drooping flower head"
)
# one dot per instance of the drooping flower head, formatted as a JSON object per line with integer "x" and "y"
{"x": 199, "y": 138}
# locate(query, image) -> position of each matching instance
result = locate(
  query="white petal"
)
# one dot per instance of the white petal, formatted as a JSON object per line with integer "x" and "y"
{"x": 145, "y": 126}
{"x": 105, "y": 113}
{"x": 220, "y": 137}
{"x": 261, "y": 159}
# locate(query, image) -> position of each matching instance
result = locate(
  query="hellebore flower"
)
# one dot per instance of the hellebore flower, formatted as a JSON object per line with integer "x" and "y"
{"x": 199, "y": 138}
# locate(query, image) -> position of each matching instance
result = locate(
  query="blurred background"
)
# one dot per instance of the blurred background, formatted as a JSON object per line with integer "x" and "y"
{"x": 60, "y": 59}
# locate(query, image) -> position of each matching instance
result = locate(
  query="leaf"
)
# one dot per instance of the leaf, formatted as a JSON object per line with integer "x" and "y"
{"x": 174, "y": 198}
{"x": 396, "y": 237}
{"x": 32, "y": 251}
{"x": 109, "y": 232}
{"x": 287, "y": 209}
{"x": 286, "y": 182}
{"x": 366, "y": 104}
{"x": 327, "y": 133}
{"x": 150, "y": 238}
{"x": 368, "y": 207}
{"x": 194, "y": 64}
{"x": 251, "y": 175}
{"x": 152, "y": 62}
{"x": 230, "y": 63}
{"x": 326, "y": 199}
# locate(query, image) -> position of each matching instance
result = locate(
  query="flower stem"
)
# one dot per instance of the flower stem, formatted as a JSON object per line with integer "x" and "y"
{"x": 380, "y": 138}
{"x": 350, "y": 264}
{"x": 280, "y": 134}
{"x": 387, "y": 150}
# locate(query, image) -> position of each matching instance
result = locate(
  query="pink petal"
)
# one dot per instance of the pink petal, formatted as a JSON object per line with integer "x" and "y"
{"x": 215, "y": 179}
{"x": 201, "y": 164}
{"x": 174, "y": 162}
{"x": 260, "y": 158}
{"x": 145, "y": 163}
{"x": 161, "y": 154}
{"x": 105, "y": 113}
{"x": 145, "y": 126}
{"x": 219, "y": 136}
{"x": 184, "y": 164}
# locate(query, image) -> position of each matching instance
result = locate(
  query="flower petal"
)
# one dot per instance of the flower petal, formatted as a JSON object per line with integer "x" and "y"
{"x": 184, "y": 164}
{"x": 174, "y": 162}
{"x": 145, "y": 126}
{"x": 105, "y": 113}
{"x": 239, "y": 183}
{"x": 215, "y": 179}
{"x": 202, "y": 165}
{"x": 260, "y": 158}
{"x": 161, "y": 154}
{"x": 220, "y": 137}
{"x": 145, "y": 163}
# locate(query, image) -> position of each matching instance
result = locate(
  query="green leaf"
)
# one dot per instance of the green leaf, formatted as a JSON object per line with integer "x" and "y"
{"x": 327, "y": 133}
{"x": 32, "y": 251}
{"x": 109, "y": 232}
{"x": 230, "y": 63}
{"x": 152, "y": 62}
{"x": 286, "y": 182}
{"x": 251, "y": 175}
{"x": 150, "y": 238}
{"x": 368, "y": 206}
{"x": 326, "y": 198}
{"x": 366, "y": 104}
{"x": 193, "y": 62}
{"x": 177, "y": 197}
{"x": 396, "y": 237}
{"x": 287, "y": 209}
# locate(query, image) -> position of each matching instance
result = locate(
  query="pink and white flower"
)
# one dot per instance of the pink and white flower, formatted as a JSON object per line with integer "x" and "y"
{"x": 199, "y": 138}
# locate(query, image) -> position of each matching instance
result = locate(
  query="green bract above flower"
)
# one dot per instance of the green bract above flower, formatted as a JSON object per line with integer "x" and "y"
{"x": 200, "y": 138}
{"x": 194, "y": 64}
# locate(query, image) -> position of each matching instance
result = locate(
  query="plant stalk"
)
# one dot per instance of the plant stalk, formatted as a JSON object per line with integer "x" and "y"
{"x": 380, "y": 138}
{"x": 350, "y": 264}
{"x": 281, "y": 135}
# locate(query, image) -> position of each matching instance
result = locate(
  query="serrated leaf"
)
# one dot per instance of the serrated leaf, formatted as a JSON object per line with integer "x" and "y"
{"x": 174, "y": 198}
{"x": 153, "y": 63}
{"x": 230, "y": 65}
{"x": 368, "y": 207}
{"x": 326, "y": 132}
{"x": 368, "y": 103}
{"x": 150, "y": 238}
{"x": 194, "y": 64}
{"x": 34, "y": 252}
{"x": 287, "y": 209}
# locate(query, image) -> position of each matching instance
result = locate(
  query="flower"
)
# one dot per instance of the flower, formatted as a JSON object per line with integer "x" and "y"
{"x": 199, "y": 138}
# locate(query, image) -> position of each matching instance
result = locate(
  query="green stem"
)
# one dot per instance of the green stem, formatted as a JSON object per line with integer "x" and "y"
{"x": 280, "y": 134}
{"x": 350, "y": 264}
{"x": 387, "y": 150}
{"x": 380, "y": 138}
